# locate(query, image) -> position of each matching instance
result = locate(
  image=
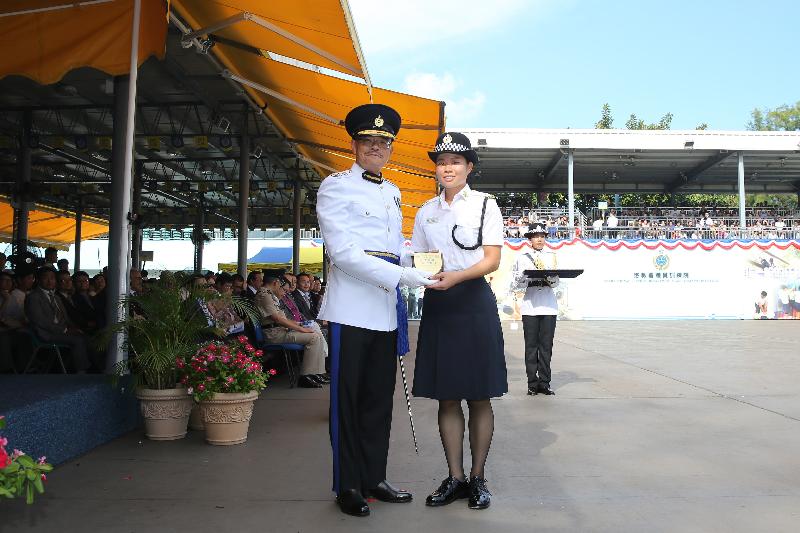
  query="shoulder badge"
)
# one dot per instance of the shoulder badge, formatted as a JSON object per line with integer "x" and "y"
{"x": 339, "y": 174}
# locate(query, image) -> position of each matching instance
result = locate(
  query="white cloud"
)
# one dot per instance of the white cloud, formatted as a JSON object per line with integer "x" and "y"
{"x": 444, "y": 87}
{"x": 399, "y": 25}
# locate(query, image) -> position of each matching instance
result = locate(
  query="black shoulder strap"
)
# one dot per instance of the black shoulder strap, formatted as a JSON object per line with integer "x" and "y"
{"x": 480, "y": 230}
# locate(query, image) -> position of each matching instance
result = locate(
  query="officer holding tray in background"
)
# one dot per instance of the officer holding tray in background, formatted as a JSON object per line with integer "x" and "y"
{"x": 361, "y": 221}
{"x": 539, "y": 308}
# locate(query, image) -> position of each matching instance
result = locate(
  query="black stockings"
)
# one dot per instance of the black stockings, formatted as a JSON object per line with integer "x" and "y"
{"x": 451, "y": 430}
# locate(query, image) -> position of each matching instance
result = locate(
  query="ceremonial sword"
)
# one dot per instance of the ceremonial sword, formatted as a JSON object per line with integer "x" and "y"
{"x": 408, "y": 403}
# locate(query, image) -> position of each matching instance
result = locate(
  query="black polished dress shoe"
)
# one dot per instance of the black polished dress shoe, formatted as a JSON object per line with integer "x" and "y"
{"x": 545, "y": 390}
{"x": 449, "y": 491}
{"x": 479, "y": 495}
{"x": 308, "y": 382}
{"x": 352, "y": 502}
{"x": 385, "y": 492}
{"x": 532, "y": 391}
{"x": 322, "y": 378}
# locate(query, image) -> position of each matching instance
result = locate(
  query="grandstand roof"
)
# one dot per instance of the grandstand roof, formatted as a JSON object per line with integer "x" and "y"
{"x": 643, "y": 161}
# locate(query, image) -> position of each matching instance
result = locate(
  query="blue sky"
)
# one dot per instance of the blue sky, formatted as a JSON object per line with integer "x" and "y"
{"x": 552, "y": 64}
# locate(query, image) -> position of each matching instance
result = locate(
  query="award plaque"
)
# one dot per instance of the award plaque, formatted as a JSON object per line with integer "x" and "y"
{"x": 430, "y": 262}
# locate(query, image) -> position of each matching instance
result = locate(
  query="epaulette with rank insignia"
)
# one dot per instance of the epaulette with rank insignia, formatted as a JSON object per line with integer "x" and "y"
{"x": 339, "y": 174}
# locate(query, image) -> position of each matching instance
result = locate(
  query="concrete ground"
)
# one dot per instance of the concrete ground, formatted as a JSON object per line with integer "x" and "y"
{"x": 656, "y": 426}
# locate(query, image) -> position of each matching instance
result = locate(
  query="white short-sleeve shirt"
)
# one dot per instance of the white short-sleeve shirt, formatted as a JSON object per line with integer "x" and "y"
{"x": 433, "y": 227}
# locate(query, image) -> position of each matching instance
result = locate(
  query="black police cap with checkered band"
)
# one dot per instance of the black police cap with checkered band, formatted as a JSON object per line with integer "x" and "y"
{"x": 454, "y": 143}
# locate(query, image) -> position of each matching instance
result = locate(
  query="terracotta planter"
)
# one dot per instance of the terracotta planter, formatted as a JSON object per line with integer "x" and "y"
{"x": 227, "y": 417}
{"x": 196, "y": 418}
{"x": 165, "y": 412}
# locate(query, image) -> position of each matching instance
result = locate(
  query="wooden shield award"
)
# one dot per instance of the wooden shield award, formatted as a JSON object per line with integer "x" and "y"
{"x": 430, "y": 262}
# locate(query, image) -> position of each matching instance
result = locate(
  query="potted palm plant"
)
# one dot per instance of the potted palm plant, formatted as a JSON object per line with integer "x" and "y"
{"x": 163, "y": 326}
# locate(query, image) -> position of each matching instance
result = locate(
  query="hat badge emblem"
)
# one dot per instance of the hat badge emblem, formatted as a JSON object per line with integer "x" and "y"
{"x": 447, "y": 139}
{"x": 378, "y": 121}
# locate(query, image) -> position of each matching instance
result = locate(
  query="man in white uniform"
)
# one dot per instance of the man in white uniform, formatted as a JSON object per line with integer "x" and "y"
{"x": 539, "y": 309}
{"x": 361, "y": 221}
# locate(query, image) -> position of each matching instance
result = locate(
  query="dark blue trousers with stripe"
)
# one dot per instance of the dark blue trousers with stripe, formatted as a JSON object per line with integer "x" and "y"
{"x": 363, "y": 370}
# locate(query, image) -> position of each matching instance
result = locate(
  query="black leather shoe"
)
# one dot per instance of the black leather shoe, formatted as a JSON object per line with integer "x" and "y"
{"x": 385, "y": 492}
{"x": 532, "y": 391}
{"x": 352, "y": 502}
{"x": 545, "y": 390}
{"x": 450, "y": 490}
{"x": 322, "y": 378}
{"x": 307, "y": 382}
{"x": 479, "y": 495}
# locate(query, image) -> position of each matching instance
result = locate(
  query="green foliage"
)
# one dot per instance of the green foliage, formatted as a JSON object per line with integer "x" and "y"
{"x": 166, "y": 323}
{"x": 20, "y": 474}
{"x": 515, "y": 199}
{"x": 635, "y": 123}
{"x": 606, "y": 121}
{"x": 782, "y": 118}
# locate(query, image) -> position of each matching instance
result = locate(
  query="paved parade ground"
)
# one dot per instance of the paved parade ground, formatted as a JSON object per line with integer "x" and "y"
{"x": 655, "y": 426}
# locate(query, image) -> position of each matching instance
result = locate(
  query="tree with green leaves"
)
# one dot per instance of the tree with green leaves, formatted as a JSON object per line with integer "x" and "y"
{"x": 782, "y": 118}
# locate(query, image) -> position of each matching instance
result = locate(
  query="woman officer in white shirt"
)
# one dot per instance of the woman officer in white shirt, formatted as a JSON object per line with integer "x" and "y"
{"x": 460, "y": 344}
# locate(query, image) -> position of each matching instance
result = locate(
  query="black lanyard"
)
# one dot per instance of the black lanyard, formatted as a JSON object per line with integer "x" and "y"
{"x": 480, "y": 230}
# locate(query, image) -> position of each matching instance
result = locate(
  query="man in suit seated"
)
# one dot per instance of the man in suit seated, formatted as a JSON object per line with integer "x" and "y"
{"x": 302, "y": 296}
{"x": 49, "y": 321}
{"x": 83, "y": 303}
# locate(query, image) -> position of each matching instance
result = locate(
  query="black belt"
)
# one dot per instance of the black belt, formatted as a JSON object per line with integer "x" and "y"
{"x": 538, "y": 283}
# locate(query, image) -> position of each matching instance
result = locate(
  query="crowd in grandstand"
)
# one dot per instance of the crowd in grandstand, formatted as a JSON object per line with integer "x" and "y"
{"x": 43, "y": 303}
{"x": 660, "y": 223}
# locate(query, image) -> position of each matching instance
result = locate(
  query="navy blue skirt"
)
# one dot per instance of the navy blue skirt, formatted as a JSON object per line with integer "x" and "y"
{"x": 460, "y": 345}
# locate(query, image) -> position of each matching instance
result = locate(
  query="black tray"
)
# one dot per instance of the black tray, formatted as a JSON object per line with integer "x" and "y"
{"x": 560, "y": 272}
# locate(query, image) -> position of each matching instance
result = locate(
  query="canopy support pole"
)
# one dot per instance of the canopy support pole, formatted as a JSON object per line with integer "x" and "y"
{"x": 136, "y": 245}
{"x": 244, "y": 194}
{"x": 571, "y": 193}
{"x": 257, "y": 86}
{"x": 119, "y": 235}
{"x": 742, "y": 218}
{"x": 296, "y": 228}
{"x": 199, "y": 237}
{"x": 22, "y": 204}
{"x": 187, "y": 38}
{"x": 76, "y": 261}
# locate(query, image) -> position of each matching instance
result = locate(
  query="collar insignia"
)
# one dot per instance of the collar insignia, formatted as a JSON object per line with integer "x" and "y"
{"x": 372, "y": 178}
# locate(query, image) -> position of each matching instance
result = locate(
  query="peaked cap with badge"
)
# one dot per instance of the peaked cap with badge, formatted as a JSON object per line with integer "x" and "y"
{"x": 452, "y": 142}
{"x": 535, "y": 229}
{"x": 376, "y": 120}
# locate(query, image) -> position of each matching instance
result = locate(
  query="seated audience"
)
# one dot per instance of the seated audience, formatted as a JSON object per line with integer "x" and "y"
{"x": 222, "y": 310}
{"x": 49, "y": 321}
{"x": 279, "y": 329}
{"x": 85, "y": 310}
{"x": 238, "y": 285}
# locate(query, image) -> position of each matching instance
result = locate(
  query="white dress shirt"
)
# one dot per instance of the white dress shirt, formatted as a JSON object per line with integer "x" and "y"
{"x": 14, "y": 311}
{"x": 433, "y": 227}
{"x": 356, "y": 215}
{"x": 537, "y": 300}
